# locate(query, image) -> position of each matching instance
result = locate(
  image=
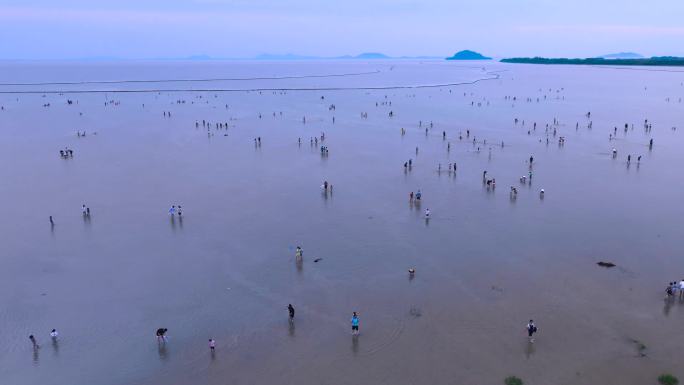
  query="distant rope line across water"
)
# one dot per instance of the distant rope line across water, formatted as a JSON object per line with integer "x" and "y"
{"x": 493, "y": 75}
{"x": 188, "y": 80}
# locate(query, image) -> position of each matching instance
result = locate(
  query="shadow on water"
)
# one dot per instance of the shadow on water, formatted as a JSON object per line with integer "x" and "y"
{"x": 55, "y": 346}
{"x": 667, "y": 306}
{"x": 173, "y": 223}
{"x": 355, "y": 344}
{"x": 529, "y": 350}
{"x": 180, "y": 222}
{"x": 36, "y": 350}
{"x": 163, "y": 354}
{"x": 291, "y": 328}
{"x": 86, "y": 220}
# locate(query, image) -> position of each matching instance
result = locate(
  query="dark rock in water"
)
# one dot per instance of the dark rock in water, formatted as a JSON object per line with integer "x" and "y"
{"x": 317, "y": 259}
{"x": 606, "y": 264}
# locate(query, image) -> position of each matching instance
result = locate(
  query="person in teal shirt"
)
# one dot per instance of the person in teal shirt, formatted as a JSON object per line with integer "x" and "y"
{"x": 355, "y": 324}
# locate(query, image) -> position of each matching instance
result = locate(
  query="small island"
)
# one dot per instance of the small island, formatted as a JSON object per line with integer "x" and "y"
{"x": 622, "y": 55}
{"x": 653, "y": 61}
{"x": 468, "y": 55}
{"x": 371, "y": 55}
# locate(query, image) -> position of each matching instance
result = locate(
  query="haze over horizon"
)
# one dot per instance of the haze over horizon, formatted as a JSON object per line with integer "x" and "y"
{"x": 128, "y": 29}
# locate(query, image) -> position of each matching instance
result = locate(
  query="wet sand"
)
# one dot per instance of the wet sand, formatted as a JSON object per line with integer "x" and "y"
{"x": 485, "y": 263}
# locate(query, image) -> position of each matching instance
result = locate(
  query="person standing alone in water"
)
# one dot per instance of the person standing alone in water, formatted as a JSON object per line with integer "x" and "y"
{"x": 355, "y": 324}
{"x": 291, "y": 311}
{"x": 35, "y": 343}
{"x": 161, "y": 335}
{"x": 531, "y": 329}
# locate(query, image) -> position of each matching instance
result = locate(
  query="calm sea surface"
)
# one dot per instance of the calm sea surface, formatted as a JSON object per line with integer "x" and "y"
{"x": 486, "y": 262}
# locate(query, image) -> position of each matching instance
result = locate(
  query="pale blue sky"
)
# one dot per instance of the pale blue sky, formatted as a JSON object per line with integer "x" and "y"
{"x": 59, "y": 29}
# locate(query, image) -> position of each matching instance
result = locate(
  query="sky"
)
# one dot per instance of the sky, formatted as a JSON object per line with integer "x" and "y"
{"x": 140, "y": 29}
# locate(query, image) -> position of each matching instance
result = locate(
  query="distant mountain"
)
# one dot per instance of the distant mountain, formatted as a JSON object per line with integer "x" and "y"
{"x": 362, "y": 56}
{"x": 468, "y": 55}
{"x": 264, "y": 57}
{"x": 622, "y": 55}
{"x": 290, "y": 56}
{"x": 371, "y": 55}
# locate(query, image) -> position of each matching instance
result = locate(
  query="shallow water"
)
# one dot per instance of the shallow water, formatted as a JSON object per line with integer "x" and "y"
{"x": 485, "y": 263}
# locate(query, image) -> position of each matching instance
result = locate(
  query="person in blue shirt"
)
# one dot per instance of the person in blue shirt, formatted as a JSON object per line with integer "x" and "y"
{"x": 355, "y": 324}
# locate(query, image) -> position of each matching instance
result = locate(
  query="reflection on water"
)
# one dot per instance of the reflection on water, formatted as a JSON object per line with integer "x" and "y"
{"x": 355, "y": 344}
{"x": 55, "y": 346}
{"x": 667, "y": 306}
{"x": 529, "y": 350}
{"x": 291, "y": 327}
{"x": 161, "y": 349}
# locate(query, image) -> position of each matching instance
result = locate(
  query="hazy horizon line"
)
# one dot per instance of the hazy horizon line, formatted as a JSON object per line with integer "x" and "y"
{"x": 293, "y": 56}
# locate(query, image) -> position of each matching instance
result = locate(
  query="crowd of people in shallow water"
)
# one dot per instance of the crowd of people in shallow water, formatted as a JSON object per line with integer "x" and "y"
{"x": 673, "y": 289}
